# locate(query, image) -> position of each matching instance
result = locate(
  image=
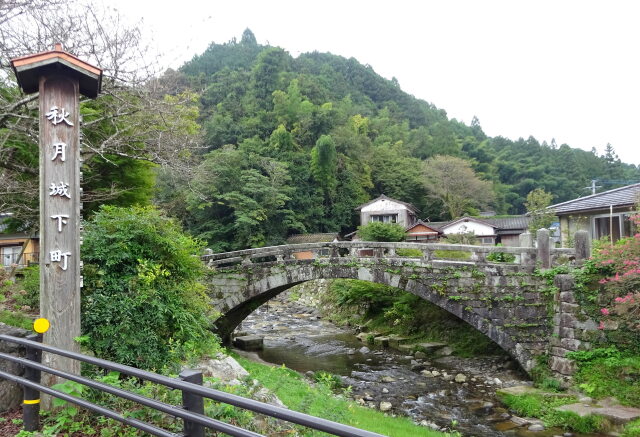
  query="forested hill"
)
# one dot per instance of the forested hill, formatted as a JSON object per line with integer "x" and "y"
{"x": 295, "y": 144}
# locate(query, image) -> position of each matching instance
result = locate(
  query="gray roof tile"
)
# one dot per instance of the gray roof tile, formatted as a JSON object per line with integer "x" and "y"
{"x": 623, "y": 196}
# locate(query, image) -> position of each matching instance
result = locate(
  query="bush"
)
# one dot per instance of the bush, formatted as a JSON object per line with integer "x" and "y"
{"x": 143, "y": 303}
{"x": 618, "y": 298}
{"x": 501, "y": 257}
{"x": 30, "y": 283}
{"x": 377, "y": 231}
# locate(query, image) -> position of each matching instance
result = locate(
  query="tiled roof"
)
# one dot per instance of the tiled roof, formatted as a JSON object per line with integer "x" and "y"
{"x": 420, "y": 222}
{"x": 509, "y": 223}
{"x": 383, "y": 197}
{"x": 501, "y": 223}
{"x": 312, "y": 238}
{"x": 623, "y": 196}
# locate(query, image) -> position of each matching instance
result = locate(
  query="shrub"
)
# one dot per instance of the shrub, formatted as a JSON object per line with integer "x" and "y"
{"x": 142, "y": 301}
{"x": 30, "y": 283}
{"x": 618, "y": 266}
{"x": 501, "y": 257}
{"x": 377, "y": 231}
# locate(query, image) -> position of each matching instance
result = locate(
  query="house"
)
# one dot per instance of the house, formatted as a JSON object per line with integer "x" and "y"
{"x": 603, "y": 214}
{"x": 486, "y": 233}
{"x": 487, "y": 230}
{"x": 421, "y": 232}
{"x": 312, "y": 238}
{"x": 387, "y": 210}
{"x": 11, "y": 247}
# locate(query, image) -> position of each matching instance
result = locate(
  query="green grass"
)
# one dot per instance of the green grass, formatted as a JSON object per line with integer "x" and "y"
{"x": 607, "y": 372}
{"x": 453, "y": 254}
{"x": 632, "y": 429}
{"x": 543, "y": 406}
{"x": 16, "y": 319}
{"x": 318, "y": 400}
{"x": 409, "y": 253}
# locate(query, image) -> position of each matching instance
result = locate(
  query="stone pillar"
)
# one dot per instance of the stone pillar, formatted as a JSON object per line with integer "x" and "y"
{"x": 583, "y": 246}
{"x": 544, "y": 248}
{"x": 565, "y": 322}
{"x": 525, "y": 240}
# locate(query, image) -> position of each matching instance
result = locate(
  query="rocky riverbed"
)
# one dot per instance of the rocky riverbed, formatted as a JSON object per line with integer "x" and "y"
{"x": 439, "y": 391}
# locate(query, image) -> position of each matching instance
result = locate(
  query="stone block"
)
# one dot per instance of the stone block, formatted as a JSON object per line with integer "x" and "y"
{"x": 569, "y": 308}
{"x": 567, "y": 297}
{"x": 571, "y": 344}
{"x": 564, "y": 366}
{"x": 564, "y": 282}
{"x": 559, "y": 352}
{"x": 381, "y": 341}
{"x": 568, "y": 320}
{"x": 10, "y": 393}
{"x": 567, "y": 332}
{"x": 249, "y": 342}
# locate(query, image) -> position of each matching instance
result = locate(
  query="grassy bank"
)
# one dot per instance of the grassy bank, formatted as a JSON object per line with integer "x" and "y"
{"x": 389, "y": 310}
{"x": 318, "y": 400}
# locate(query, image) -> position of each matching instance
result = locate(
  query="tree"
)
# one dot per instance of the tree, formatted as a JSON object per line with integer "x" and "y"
{"x": 132, "y": 118}
{"x": 378, "y": 231}
{"x": 143, "y": 302}
{"x": 541, "y": 217}
{"x": 323, "y": 165}
{"x": 452, "y": 181}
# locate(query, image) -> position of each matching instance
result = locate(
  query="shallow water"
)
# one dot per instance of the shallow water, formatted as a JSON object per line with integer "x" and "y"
{"x": 296, "y": 337}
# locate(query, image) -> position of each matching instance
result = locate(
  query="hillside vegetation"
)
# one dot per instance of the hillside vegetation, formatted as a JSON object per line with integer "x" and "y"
{"x": 295, "y": 144}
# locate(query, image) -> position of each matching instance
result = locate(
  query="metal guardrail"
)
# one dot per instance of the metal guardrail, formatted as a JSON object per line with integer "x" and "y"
{"x": 190, "y": 383}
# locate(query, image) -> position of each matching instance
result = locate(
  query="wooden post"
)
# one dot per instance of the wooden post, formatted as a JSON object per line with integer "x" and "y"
{"x": 60, "y": 216}
{"x": 59, "y": 77}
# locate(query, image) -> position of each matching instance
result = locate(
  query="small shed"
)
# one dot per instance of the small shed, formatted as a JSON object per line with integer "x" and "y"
{"x": 421, "y": 232}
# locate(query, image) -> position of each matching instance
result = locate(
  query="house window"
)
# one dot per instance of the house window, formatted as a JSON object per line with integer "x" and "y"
{"x": 486, "y": 240}
{"x": 9, "y": 254}
{"x": 384, "y": 218}
{"x": 613, "y": 226}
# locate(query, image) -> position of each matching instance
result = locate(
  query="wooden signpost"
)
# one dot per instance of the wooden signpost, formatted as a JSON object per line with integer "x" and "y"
{"x": 59, "y": 77}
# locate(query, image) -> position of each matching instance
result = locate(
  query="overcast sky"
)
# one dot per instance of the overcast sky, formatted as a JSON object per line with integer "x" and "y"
{"x": 562, "y": 69}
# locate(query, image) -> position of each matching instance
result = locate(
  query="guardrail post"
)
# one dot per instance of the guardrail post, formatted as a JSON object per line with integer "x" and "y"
{"x": 31, "y": 402}
{"x": 192, "y": 402}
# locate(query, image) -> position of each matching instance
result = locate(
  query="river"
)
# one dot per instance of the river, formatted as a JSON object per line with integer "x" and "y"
{"x": 295, "y": 335}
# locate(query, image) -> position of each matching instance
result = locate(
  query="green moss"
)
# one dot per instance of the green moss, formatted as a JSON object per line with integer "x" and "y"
{"x": 453, "y": 254}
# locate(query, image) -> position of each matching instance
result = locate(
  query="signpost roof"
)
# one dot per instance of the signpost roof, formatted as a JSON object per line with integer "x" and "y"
{"x": 29, "y": 69}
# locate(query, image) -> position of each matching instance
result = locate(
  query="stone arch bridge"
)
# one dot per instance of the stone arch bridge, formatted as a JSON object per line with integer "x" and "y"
{"x": 507, "y": 302}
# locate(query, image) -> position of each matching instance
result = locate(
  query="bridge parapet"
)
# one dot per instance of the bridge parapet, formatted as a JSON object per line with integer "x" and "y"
{"x": 526, "y": 256}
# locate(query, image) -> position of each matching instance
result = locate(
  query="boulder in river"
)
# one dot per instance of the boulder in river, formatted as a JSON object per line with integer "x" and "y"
{"x": 249, "y": 342}
{"x": 385, "y": 406}
{"x": 460, "y": 378}
{"x": 224, "y": 368}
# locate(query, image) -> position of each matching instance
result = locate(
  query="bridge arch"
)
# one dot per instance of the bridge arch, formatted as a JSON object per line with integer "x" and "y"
{"x": 500, "y": 301}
